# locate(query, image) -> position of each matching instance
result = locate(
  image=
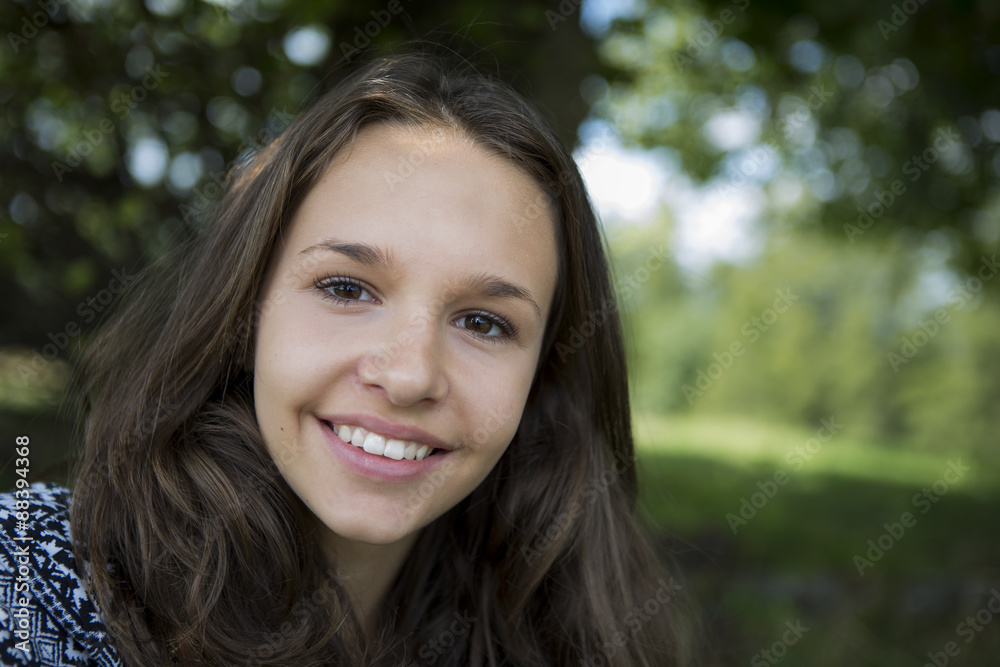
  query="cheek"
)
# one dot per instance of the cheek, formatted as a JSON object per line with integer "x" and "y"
{"x": 500, "y": 404}
{"x": 281, "y": 340}
{"x": 494, "y": 427}
{"x": 286, "y": 377}
{"x": 293, "y": 347}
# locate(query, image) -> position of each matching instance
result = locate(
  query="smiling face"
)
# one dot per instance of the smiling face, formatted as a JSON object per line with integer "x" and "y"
{"x": 404, "y": 309}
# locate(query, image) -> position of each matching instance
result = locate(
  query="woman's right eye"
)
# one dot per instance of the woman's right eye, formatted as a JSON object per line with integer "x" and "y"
{"x": 343, "y": 290}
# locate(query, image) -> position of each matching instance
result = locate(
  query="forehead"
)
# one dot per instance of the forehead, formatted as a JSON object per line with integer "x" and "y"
{"x": 422, "y": 163}
{"x": 417, "y": 179}
{"x": 430, "y": 193}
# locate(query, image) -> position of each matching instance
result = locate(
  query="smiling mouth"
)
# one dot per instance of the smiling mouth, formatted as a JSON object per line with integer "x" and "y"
{"x": 379, "y": 445}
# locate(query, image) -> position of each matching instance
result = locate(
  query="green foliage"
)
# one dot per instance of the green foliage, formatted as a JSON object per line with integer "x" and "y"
{"x": 843, "y": 101}
{"x": 811, "y": 330}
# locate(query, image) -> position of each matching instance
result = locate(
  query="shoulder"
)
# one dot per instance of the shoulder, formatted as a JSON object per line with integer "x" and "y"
{"x": 46, "y": 617}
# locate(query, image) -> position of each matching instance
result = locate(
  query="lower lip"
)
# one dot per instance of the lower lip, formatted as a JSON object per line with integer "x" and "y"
{"x": 378, "y": 467}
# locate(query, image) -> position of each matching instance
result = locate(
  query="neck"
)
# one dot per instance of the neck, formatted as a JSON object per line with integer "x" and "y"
{"x": 366, "y": 571}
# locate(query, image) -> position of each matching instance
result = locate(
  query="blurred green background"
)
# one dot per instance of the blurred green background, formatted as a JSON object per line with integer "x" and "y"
{"x": 802, "y": 202}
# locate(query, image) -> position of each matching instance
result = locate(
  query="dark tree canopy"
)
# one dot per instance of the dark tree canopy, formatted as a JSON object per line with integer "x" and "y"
{"x": 86, "y": 91}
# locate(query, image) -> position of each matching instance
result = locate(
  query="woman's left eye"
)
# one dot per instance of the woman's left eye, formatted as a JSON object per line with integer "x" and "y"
{"x": 489, "y": 327}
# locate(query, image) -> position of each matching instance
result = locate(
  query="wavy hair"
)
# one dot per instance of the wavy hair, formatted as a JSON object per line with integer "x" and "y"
{"x": 198, "y": 551}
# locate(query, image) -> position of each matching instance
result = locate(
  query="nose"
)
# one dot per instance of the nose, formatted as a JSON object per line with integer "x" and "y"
{"x": 407, "y": 363}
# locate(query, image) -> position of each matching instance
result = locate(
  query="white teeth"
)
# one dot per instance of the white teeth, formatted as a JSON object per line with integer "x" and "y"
{"x": 374, "y": 444}
{"x": 394, "y": 449}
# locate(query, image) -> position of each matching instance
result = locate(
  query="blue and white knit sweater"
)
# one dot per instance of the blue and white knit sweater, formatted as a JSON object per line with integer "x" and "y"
{"x": 46, "y": 617}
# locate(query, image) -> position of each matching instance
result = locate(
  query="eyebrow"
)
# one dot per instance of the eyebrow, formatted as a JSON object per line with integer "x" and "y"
{"x": 376, "y": 258}
{"x": 362, "y": 253}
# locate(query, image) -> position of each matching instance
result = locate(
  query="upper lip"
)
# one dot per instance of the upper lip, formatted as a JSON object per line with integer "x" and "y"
{"x": 389, "y": 429}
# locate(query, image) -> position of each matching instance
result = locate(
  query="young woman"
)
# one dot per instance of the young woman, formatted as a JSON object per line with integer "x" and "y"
{"x": 355, "y": 424}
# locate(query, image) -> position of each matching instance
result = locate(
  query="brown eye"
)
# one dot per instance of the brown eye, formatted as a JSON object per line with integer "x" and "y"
{"x": 479, "y": 323}
{"x": 346, "y": 291}
{"x": 485, "y": 326}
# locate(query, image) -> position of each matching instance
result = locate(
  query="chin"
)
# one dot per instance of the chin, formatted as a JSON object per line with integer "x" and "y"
{"x": 374, "y": 528}
{"x": 370, "y": 532}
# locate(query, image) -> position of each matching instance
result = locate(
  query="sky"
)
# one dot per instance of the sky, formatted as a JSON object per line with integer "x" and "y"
{"x": 631, "y": 185}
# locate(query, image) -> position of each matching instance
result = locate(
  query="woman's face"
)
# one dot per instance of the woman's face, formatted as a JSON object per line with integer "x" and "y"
{"x": 404, "y": 311}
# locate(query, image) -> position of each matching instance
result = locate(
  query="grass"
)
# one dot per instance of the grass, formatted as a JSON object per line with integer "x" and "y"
{"x": 794, "y": 558}
{"x": 751, "y": 444}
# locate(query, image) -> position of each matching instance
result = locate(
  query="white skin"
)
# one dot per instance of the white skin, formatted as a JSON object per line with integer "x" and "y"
{"x": 404, "y": 347}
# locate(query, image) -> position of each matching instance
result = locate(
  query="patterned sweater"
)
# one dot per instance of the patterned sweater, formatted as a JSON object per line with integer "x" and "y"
{"x": 46, "y": 618}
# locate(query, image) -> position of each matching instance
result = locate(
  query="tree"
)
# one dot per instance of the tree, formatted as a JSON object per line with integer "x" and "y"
{"x": 883, "y": 114}
{"x": 121, "y": 119}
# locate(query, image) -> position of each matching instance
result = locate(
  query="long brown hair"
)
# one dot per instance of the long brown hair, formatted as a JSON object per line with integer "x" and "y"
{"x": 200, "y": 553}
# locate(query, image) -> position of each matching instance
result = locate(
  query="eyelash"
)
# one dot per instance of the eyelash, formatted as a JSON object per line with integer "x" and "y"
{"x": 509, "y": 329}
{"x": 323, "y": 286}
